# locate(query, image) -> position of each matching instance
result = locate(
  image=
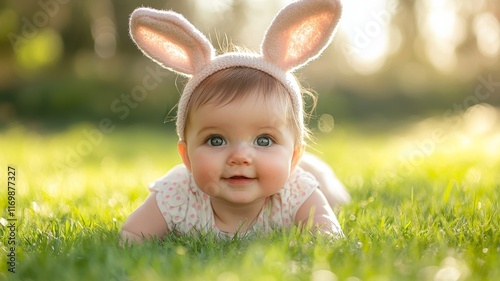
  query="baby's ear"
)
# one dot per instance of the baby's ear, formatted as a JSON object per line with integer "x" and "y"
{"x": 298, "y": 152}
{"x": 170, "y": 40}
{"x": 300, "y": 32}
{"x": 183, "y": 152}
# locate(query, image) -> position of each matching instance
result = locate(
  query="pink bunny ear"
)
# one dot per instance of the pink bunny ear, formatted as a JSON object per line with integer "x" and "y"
{"x": 300, "y": 32}
{"x": 170, "y": 40}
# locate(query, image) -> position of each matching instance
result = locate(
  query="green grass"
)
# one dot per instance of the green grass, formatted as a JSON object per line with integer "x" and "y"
{"x": 421, "y": 210}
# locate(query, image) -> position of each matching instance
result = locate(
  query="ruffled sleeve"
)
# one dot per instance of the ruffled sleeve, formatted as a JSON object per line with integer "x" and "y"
{"x": 302, "y": 185}
{"x": 177, "y": 200}
{"x": 285, "y": 204}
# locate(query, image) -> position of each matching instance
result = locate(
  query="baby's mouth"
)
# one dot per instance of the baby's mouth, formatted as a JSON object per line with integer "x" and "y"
{"x": 239, "y": 177}
{"x": 239, "y": 180}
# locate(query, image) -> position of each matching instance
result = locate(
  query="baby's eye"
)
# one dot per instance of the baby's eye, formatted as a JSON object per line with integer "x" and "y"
{"x": 216, "y": 141}
{"x": 263, "y": 141}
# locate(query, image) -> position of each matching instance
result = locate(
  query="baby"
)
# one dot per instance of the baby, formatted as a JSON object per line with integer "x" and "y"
{"x": 240, "y": 124}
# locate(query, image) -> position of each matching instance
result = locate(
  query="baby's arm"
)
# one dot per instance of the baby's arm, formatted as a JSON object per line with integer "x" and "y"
{"x": 144, "y": 223}
{"x": 329, "y": 184}
{"x": 323, "y": 218}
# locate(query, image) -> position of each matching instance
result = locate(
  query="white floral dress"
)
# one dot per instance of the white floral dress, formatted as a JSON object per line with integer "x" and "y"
{"x": 186, "y": 208}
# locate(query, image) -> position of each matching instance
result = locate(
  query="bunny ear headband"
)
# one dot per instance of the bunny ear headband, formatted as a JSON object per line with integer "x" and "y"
{"x": 298, "y": 34}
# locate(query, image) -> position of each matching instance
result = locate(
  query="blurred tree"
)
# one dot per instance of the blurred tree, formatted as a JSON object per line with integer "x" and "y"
{"x": 416, "y": 55}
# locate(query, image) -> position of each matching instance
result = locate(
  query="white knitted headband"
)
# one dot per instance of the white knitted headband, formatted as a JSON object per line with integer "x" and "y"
{"x": 298, "y": 34}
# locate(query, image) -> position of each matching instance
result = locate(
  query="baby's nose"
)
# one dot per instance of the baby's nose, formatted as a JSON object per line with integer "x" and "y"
{"x": 241, "y": 154}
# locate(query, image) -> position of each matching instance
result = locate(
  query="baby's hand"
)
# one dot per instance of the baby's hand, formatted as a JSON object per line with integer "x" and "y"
{"x": 144, "y": 223}
{"x": 129, "y": 238}
{"x": 317, "y": 212}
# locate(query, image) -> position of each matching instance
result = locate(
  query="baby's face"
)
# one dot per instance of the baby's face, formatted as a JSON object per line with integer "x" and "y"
{"x": 242, "y": 152}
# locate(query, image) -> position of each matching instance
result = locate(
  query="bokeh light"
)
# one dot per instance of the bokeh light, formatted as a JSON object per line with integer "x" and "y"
{"x": 45, "y": 48}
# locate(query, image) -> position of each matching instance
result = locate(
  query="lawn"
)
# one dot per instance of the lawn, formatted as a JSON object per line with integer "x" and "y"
{"x": 424, "y": 207}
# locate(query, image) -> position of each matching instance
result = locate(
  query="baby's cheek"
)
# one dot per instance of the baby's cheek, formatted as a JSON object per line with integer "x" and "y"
{"x": 211, "y": 183}
{"x": 201, "y": 163}
{"x": 206, "y": 176}
{"x": 275, "y": 173}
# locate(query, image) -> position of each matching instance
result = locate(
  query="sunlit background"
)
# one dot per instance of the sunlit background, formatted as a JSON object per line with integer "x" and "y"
{"x": 64, "y": 61}
{"x": 408, "y": 117}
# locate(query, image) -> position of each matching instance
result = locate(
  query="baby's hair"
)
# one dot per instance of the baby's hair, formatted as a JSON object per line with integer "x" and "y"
{"x": 237, "y": 83}
{"x": 225, "y": 45}
{"x": 308, "y": 110}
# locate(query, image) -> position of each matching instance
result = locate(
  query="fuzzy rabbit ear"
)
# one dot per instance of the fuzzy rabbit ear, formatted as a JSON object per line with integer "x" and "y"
{"x": 300, "y": 32}
{"x": 170, "y": 40}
